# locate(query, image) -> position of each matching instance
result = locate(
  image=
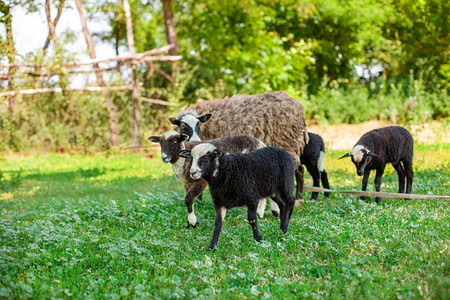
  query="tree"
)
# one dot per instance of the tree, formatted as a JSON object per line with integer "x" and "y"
{"x": 134, "y": 81}
{"x": 9, "y": 50}
{"x": 171, "y": 34}
{"x": 110, "y": 106}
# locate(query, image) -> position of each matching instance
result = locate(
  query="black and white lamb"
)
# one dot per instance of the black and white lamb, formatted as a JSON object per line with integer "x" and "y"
{"x": 274, "y": 118}
{"x": 172, "y": 142}
{"x": 376, "y": 148}
{"x": 313, "y": 158}
{"x": 241, "y": 179}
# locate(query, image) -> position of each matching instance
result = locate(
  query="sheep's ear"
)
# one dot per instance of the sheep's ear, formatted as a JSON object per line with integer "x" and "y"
{"x": 369, "y": 153}
{"x": 184, "y": 137}
{"x": 185, "y": 153}
{"x": 345, "y": 155}
{"x": 154, "y": 139}
{"x": 218, "y": 153}
{"x": 175, "y": 121}
{"x": 204, "y": 118}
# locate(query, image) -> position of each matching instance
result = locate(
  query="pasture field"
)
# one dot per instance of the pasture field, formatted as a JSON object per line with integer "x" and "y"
{"x": 114, "y": 226}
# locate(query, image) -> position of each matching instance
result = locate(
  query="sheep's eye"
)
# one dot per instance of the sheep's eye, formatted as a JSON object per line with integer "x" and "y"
{"x": 175, "y": 142}
{"x": 182, "y": 126}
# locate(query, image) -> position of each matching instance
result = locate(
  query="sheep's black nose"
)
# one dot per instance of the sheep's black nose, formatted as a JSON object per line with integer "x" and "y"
{"x": 360, "y": 173}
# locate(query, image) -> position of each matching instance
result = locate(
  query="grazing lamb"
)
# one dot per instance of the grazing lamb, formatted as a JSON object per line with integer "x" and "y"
{"x": 241, "y": 179}
{"x": 172, "y": 143}
{"x": 376, "y": 148}
{"x": 274, "y": 118}
{"x": 313, "y": 158}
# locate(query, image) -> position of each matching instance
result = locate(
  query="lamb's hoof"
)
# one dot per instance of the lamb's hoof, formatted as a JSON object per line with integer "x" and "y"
{"x": 362, "y": 198}
{"x": 212, "y": 249}
{"x": 285, "y": 230}
{"x": 299, "y": 202}
{"x": 193, "y": 226}
{"x": 377, "y": 200}
{"x": 275, "y": 213}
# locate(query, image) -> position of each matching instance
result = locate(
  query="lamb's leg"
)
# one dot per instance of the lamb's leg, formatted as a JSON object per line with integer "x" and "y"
{"x": 191, "y": 193}
{"x": 220, "y": 216}
{"x": 274, "y": 207}
{"x": 325, "y": 184}
{"x": 253, "y": 221}
{"x": 315, "y": 173}
{"x": 378, "y": 176}
{"x": 364, "y": 182}
{"x": 299, "y": 172}
{"x": 284, "y": 212}
{"x": 261, "y": 208}
{"x": 288, "y": 199}
{"x": 407, "y": 166}
{"x": 401, "y": 177}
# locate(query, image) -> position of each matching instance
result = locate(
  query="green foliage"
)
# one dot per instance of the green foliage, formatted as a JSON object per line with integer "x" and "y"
{"x": 114, "y": 226}
{"x": 403, "y": 102}
{"x": 309, "y": 48}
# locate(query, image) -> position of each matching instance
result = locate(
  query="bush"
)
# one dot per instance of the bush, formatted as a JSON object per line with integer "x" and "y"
{"x": 402, "y": 103}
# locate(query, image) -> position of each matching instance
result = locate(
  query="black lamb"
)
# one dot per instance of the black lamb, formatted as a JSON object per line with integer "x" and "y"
{"x": 313, "y": 157}
{"x": 241, "y": 179}
{"x": 376, "y": 148}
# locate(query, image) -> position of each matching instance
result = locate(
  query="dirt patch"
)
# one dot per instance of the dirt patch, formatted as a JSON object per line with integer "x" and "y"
{"x": 344, "y": 136}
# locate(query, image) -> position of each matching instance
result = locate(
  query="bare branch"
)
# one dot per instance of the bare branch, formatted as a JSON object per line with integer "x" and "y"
{"x": 157, "y": 101}
{"x": 55, "y": 21}
{"x": 60, "y": 90}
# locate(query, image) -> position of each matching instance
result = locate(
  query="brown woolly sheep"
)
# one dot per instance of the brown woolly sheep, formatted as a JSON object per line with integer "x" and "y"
{"x": 274, "y": 118}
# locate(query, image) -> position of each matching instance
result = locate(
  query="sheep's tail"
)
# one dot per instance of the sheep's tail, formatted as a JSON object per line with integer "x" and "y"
{"x": 321, "y": 161}
{"x": 306, "y": 135}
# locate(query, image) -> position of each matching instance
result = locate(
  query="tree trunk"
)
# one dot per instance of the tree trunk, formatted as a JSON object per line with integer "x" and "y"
{"x": 55, "y": 21}
{"x": 11, "y": 54}
{"x": 171, "y": 34}
{"x": 51, "y": 24}
{"x": 134, "y": 82}
{"x": 110, "y": 106}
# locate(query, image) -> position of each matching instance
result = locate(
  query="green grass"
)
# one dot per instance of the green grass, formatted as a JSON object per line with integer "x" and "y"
{"x": 74, "y": 226}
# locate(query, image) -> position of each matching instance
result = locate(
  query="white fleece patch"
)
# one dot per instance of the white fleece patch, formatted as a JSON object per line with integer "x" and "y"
{"x": 274, "y": 206}
{"x": 260, "y": 145}
{"x": 261, "y": 207}
{"x": 192, "y": 219}
{"x": 169, "y": 134}
{"x": 191, "y": 121}
{"x": 197, "y": 152}
{"x": 357, "y": 153}
{"x": 321, "y": 161}
{"x": 178, "y": 168}
{"x": 223, "y": 212}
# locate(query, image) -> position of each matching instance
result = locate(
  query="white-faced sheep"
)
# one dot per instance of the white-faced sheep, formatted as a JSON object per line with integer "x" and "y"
{"x": 241, "y": 179}
{"x": 376, "y": 148}
{"x": 274, "y": 118}
{"x": 313, "y": 158}
{"x": 172, "y": 142}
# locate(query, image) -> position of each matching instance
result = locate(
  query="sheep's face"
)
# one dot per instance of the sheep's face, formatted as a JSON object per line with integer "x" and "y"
{"x": 361, "y": 157}
{"x": 190, "y": 125}
{"x": 205, "y": 160}
{"x": 170, "y": 143}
